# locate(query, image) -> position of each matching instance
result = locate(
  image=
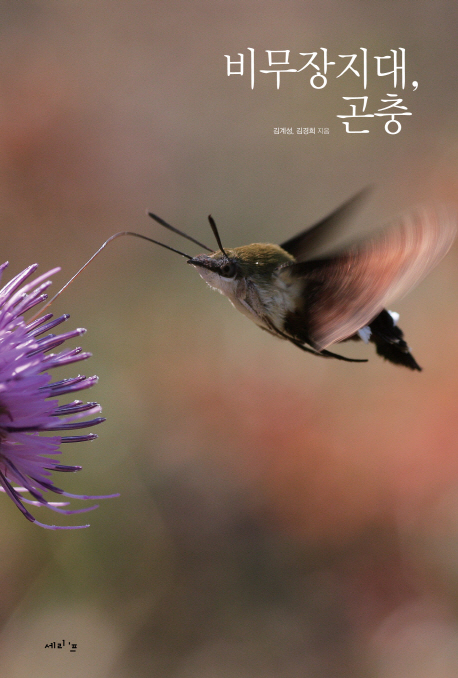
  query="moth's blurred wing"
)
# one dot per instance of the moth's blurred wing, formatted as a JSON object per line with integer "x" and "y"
{"x": 345, "y": 292}
{"x": 307, "y": 243}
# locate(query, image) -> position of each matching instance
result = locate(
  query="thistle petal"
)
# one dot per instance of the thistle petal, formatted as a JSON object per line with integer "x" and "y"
{"x": 28, "y": 400}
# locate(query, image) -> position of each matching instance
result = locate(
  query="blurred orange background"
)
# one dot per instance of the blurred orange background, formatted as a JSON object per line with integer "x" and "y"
{"x": 280, "y": 515}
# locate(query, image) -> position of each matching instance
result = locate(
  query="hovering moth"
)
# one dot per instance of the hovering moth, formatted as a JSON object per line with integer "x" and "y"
{"x": 316, "y": 300}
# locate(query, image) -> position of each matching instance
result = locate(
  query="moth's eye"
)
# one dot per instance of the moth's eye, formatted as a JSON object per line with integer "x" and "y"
{"x": 228, "y": 270}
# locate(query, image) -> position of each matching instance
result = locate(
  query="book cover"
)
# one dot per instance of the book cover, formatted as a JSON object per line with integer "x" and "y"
{"x": 279, "y": 514}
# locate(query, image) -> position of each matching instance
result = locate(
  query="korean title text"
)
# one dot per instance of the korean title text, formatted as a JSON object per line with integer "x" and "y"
{"x": 317, "y": 69}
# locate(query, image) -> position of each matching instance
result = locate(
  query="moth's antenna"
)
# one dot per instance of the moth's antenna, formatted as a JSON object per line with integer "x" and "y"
{"x": 116, "y": 235}
{"x": 175, "y": 230}
{"x": 216, "y": 234}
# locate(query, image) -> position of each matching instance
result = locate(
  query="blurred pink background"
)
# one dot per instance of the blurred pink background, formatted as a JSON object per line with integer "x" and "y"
{"x": 280, "y": 516}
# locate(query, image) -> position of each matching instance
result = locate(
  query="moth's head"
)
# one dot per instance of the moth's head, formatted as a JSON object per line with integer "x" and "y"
{"x": 225, "y": 267}
{"x": 255, "y": 262}
{"x": 218, "y": 270}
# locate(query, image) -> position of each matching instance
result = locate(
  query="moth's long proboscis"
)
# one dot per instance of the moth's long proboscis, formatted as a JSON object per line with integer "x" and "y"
{"x": 116, "y": 235}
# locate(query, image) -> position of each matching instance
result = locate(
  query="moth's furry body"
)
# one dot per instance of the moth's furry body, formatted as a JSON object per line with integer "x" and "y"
{"x": 315, "y": 300}
{"x": 261, "y": 289}
{"x": 265, "y": 291}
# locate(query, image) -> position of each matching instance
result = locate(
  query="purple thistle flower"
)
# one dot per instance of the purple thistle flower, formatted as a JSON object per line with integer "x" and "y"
{"x": 28, "y": 403}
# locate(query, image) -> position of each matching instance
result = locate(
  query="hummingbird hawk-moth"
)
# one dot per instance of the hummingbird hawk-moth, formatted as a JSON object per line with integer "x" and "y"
{"x": 315, "y": 300}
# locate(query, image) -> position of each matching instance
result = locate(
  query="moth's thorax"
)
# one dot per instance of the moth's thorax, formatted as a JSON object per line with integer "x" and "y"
{"x": 260, "y": 288}
{"x": 282, "y": 297}
{"x": 261, "y": 258}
